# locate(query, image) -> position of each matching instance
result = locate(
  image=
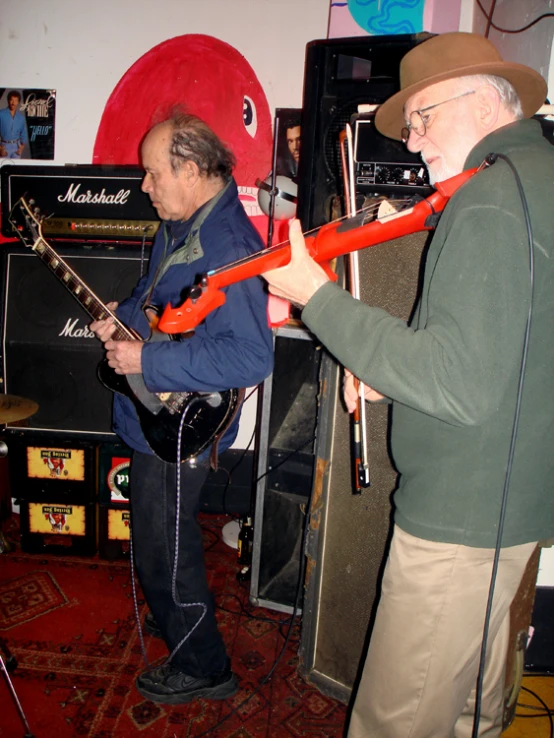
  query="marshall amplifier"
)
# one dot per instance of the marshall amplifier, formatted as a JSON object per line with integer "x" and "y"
{"x": 48, "y": 353}
{"x": 81, "y": 201}
{"x": 100, "y": 225}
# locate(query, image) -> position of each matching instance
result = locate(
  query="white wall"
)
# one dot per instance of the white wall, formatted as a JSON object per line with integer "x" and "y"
{"x": 82, "y": 48}
{"x": 532, "y": 46}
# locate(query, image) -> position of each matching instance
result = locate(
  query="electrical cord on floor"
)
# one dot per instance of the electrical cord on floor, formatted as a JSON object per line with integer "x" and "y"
{"x": 291, "y": 622}
{"x": 214, "y": 543}
{"x": 135, "y": 598}
{"x": 548, "y": 712}
{"x": 246, "y": 612}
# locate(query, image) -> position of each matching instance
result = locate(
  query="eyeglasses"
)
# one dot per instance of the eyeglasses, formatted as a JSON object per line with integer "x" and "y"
{"x": 418, "y": 121}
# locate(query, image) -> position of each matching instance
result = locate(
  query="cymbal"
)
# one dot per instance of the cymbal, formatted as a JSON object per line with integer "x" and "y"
{"x": 14, "y": 408}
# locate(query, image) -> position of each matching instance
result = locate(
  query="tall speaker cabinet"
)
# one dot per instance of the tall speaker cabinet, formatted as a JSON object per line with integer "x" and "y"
{"x": 348, "y": 533}
{"x": 286, "y": 442}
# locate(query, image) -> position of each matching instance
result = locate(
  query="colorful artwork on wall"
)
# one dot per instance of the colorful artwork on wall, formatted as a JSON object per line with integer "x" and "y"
{"x": 382, "y": 17}
{"x": 379, "y": 17}
{"x": 201, "y": 75}
{"x": 27, "y": 123}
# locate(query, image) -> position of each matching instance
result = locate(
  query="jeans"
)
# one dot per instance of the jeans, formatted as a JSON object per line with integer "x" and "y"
{"x": 153, "y": 507}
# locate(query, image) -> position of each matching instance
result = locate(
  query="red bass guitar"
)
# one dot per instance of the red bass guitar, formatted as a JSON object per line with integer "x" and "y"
{"x": 324, "y": 244}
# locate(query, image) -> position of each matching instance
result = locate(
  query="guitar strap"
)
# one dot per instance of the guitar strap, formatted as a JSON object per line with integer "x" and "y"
{"x": 191, "y": 249}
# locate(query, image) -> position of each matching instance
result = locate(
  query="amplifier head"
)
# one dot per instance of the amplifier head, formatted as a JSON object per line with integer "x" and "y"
{"x": 81, "y": 201}
{"x": 384, "y": 166}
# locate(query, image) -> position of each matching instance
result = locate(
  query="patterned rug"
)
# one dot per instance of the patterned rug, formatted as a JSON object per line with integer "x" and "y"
{"x": 25, "y": 598}
{"x": 69, "y": 623}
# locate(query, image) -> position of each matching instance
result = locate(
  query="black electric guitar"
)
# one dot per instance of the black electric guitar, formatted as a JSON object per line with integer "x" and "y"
{"x": 200, "y": 417}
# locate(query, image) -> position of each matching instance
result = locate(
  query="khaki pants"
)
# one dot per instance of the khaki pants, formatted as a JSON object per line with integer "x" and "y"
{"x": 421, "y": 669}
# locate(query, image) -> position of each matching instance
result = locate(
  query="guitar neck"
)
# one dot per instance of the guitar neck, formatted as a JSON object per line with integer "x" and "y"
{"x": 80, "y": 291}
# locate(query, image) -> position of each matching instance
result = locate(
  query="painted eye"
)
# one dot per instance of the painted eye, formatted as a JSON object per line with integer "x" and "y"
{"x": 249, "y": 116}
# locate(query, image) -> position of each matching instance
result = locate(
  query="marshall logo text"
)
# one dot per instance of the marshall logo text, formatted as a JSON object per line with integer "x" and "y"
{"x": 93, "y": 198}
{"x": 70, "y": 330}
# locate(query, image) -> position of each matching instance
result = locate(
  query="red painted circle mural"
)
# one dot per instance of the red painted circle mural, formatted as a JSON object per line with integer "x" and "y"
{"x": 203, "y": 76}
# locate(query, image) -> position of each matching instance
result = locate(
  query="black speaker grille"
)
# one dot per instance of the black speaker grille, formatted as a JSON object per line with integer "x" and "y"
{"x": 48, "y": 353}
{"x": 332, "y": 92}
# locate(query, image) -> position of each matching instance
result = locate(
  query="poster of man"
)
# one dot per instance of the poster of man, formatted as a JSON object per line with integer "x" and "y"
{"x": 27, "y": 123}
{"x": 288, "y": 141}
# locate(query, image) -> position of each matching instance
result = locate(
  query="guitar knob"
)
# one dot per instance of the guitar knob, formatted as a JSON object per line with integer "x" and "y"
{"x": 195, "y": 293}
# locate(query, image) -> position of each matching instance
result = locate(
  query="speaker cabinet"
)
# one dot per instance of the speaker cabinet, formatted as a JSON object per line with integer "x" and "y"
{"x": 286, "y": 438}
{"x": 341, "y": 74}
{"x": 48, "y": 353}
{"x": 348, "y": 533}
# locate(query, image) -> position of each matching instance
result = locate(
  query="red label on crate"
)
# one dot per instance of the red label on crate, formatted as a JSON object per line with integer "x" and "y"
{"x": 56, "y": 463}
{"x": 66, "y": 520}
{"x": 118, "y": 525}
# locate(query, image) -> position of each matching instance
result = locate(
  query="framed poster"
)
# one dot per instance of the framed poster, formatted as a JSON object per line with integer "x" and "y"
{"x": 289, "y": 138}
{"x": 27, "y": 123}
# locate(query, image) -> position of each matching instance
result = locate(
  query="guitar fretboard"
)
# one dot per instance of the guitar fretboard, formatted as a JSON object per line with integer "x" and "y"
{"x": 83, "y": 294}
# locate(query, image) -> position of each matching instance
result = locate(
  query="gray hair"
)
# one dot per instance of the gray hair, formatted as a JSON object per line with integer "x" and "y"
{"x": 508, "y": 96}
{"x": 193, "y": 140}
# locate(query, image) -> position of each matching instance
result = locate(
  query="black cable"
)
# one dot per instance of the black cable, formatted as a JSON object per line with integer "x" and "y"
{"x": 283, "y": 461}
{"x": 217, "y": 537}
{"x": 479, "y": 690}
{"x": 291, "y": 622}
{"x": 246, "y": 612}
{"x": 489, "y": 18}
{"x": 548, "y": 712}
{"x": 509, "y": 30}
{"x": 232, "y": 469}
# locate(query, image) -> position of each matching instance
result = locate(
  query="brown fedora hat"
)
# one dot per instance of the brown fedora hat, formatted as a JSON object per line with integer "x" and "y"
{"x": 452, "y": 55}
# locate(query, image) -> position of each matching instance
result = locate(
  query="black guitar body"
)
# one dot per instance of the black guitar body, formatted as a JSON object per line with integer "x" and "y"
{"x": 202, "y": 415}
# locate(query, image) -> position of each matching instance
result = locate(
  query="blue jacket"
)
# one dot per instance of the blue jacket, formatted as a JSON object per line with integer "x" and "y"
{"x": 233, "y": 347}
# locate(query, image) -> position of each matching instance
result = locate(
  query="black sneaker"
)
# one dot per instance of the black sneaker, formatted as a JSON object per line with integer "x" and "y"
{"x": 150, "y": 626}
{"x": 173, "y": 687}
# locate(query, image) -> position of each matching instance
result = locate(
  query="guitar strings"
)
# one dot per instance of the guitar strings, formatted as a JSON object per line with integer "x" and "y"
{"x": 53, "y": 260}
{"x": 362, "y": 216}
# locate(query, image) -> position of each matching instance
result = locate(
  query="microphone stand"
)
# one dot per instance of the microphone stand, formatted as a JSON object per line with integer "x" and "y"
{"x": 11, "y": 664}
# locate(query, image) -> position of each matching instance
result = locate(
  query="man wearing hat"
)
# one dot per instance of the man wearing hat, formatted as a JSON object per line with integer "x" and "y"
{"x": 471, "y": 379}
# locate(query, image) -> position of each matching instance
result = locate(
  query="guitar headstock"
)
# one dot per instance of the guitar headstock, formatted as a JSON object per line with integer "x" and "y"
{"x": 26, "y": 222}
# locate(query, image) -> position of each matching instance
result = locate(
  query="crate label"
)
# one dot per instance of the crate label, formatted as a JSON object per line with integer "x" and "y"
{"x": 118, "y": 525}
{"x": 66, "y": 520}
{"x": 56, "y": 463}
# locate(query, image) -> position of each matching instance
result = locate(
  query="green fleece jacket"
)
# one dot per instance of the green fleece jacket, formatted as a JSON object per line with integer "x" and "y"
{"x": 453, "y": 373}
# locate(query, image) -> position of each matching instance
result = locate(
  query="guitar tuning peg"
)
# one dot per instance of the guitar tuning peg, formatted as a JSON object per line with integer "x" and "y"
{"x": 31, "y": 202}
